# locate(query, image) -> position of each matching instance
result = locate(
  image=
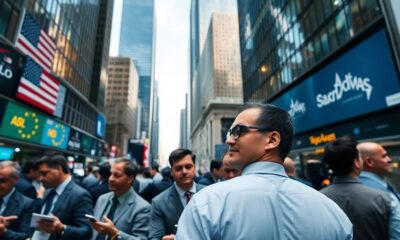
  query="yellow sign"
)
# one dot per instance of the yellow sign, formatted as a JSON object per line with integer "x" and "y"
{"x": 19, "y": 122}
{"x": 322, "y": 138}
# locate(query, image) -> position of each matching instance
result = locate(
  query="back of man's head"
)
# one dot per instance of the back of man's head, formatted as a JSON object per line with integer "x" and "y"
{"x": 54, "y": 160}
{"x": 105, "y": 170}
{"x": 279, "y": 120}
{"x": 290, "y": 167}
{"x": 166, "y": 173}
{"x": 340, "y": 155}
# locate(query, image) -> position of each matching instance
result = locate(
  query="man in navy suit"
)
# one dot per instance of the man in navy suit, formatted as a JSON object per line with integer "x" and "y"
{"x": 167, "y": 207}
{"x": 214, "y": 175}
{"x": 15, "y": 209}
{"x": 64, "y": 200}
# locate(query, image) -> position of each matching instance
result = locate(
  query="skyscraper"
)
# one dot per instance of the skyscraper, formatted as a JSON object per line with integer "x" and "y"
{"x": 137, "y": 42}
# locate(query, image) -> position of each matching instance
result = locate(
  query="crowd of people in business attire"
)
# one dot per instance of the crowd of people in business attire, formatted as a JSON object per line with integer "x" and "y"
{"x": 253, "y": 193}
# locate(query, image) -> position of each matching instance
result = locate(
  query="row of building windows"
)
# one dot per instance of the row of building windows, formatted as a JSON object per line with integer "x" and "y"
{"x": 292, "y": 36}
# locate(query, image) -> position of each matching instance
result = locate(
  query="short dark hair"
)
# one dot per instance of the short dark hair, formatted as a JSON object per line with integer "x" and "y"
{"x": 215, "y": 164}
{"x": 53, "y": 160}
{"x": 166, "y": 172}
{"x": 178, "y": 154}
{"x": 278, "y": 119}
{"x": 105, "y": 170}
{"x": 155, "y": 166}
{"x": 340, "y": 155}
{"x": 28, "y": 166}
{"x": 130, "y": 168}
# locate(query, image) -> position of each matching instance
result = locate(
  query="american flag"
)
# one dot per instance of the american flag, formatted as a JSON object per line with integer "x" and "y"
{"x": 35, "y": 43}
{"x": 41, "y": 89}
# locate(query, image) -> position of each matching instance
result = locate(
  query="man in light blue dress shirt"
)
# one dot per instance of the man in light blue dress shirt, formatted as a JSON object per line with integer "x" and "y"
{"x": 262, "y": 203}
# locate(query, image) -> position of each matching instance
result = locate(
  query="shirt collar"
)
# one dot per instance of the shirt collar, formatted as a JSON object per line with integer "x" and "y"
{"x": 123, "y": 196}
{"x": 374, "y": 177}
{"x": 181, "y": 192}
{"x": 263, "y": 167}
{"x": 7, "y": 197}
{"x": 60, "y": 189}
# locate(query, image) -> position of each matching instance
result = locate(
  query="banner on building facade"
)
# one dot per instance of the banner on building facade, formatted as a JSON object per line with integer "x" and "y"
{"x": 362, "y": 80}
{"x": 9, "y": 65}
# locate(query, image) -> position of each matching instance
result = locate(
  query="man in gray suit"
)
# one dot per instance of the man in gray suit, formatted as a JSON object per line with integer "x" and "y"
{"x": 167, "y": 207}
{"x": 368, "y": 209}
{"x": 124, "y": 214}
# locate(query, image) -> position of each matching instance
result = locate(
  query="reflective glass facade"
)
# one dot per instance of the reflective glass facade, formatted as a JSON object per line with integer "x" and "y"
{"x": 72, "y": 25}
{"x": 281, "y": 40}
{"x": 136, "y": 42}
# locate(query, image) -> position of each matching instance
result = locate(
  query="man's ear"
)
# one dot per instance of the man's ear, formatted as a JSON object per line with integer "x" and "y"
{"x": 273, "y": 141}
{"x": 368, "y": 161}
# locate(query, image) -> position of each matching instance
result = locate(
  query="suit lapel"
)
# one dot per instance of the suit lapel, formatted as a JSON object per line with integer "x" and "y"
{"x": 175, "y": 200}
{"x": 124, "y": 206}
{"x": 12, "y": 204}
{"x": 62, "y": 198}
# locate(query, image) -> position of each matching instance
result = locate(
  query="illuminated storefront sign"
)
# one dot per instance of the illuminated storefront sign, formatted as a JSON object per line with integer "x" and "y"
{"x": 323, "y": 138}
{"x": 30, "y": 126}
{"x": 361, "y": 81}
{"x": 22, "y": 124}
{"x": 9, "y": 63}
{"x": 55, "y": 134}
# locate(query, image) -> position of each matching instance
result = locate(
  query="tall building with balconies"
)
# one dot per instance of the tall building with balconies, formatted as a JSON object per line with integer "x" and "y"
{"x": 121, "y": 103}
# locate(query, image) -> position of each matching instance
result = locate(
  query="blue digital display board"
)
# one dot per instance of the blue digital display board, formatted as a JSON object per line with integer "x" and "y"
{"x": 361, "y": 81}
{"x": 100, "y": 125}
{"x": 6, "y": 153}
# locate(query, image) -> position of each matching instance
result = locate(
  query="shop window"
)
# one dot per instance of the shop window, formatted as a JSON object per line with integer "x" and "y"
{"x": 355, "y": 16}
{"x": 370, "y": 9}
{"x": 341, "y": 27}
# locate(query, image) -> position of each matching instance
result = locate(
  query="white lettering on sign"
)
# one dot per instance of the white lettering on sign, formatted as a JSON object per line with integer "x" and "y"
{"x": 350, "y": 83}
{"x": 296, "y": 107}
{"x": 5, "y": 72}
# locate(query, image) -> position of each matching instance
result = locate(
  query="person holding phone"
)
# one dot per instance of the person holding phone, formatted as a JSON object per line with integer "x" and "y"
{"x": 122, "y": 213}
{"x": 15, "y": 208}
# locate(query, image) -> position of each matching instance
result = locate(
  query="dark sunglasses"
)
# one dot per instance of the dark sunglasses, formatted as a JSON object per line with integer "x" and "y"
{"x": 239, "y": 130}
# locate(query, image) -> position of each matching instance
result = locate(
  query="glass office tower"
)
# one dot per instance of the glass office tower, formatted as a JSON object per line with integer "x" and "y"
{"x": 137, "y": 42}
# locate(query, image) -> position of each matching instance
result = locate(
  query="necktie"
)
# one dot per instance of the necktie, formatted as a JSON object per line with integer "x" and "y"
{"x": 188, "y": 195}
{"x": 391, "y": 189}
{"x": 113, "y": 207}
{"x": 49, "y": 201}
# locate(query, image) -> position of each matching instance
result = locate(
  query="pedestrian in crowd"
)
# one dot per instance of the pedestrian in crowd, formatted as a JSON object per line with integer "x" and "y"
{"x": 64, "y": 200}
{"x": 122, "y": 213}
{"x": 144, "y": 178}
{"x": 228, "y": 172}
{"x": 101, "y": 187}
{"x": 28, "y": 175}
{"x": 155, "y": 174}
{"x": 155, "y": 188}
{"x": 92, "y": 172}
{"x": 214, "y": 175}
{"x": 262, "y": 203}
{"x": 15, "y": 208}
{"x": 368, "y": 209}
{"x": 167, "y": 207}
{"x": 290, "y": 169}
{"x": 377, "y": 165}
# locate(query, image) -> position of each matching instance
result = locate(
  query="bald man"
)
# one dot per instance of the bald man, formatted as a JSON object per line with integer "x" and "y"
{"x": 377, "y": 164}
{"x": 229, "y": 172}
{"x": 290, "y": 169}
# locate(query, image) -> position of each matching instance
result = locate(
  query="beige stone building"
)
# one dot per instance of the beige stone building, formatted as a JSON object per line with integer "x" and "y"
{"x": 121, "y": 103}
{"x": 216, "y": 92}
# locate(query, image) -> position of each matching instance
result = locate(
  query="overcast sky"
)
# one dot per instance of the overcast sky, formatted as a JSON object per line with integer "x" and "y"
{"x": 171, "y": 65}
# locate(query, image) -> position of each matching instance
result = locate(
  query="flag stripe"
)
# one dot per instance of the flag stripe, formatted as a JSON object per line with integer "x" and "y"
{"x": 23, "y": 45}
{"x": 44, "y": 52}
{"x": 28, "y": 95}
{"x": 26, "y": 98}
{"x": 50, "y": 80}
{"x": 32, "y": 50}
{"x": 48, "y": 40}
{"x": 28, "y": 85}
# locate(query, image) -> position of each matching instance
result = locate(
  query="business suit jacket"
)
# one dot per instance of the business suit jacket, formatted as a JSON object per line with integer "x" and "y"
{"x": 131, "y": 216}
{"x": 25, "y": 187}
{"x": 70, "y": 208}
{"x": 207, "y": 179}
{"x": 23, "y": 207}
{"x": 99, "y": 189}
{"x": 166, "y": 209}
{"x": 368, "y": 209}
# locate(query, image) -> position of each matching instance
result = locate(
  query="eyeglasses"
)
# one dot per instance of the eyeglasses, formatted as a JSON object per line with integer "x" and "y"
{"x": 239, "y": 130}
